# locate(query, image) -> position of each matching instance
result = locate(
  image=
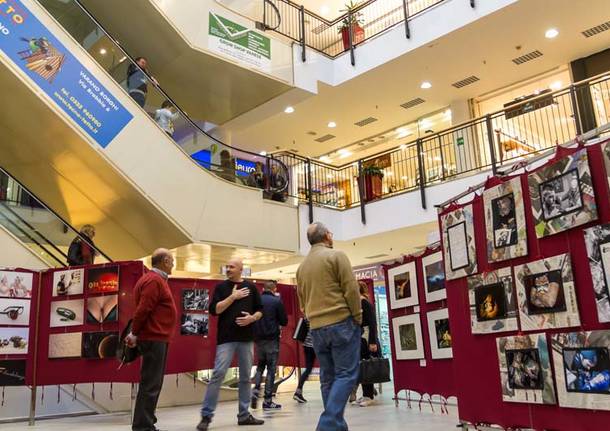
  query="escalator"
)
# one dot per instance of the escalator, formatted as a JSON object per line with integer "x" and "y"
{"x": 136, "y": 184}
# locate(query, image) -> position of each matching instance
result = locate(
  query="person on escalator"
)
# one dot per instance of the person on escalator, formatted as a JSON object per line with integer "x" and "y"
{"x": 165, "y": 117}
{"x": 82, "y": 248}
{"x": 137, "y": 80}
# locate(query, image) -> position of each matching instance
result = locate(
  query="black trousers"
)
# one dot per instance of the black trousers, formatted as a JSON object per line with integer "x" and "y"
{"x": 310, "y": 357}
{"x": 268, "y": 352}
{"x": 154, "y": 355}
{"x": 365, "y": 353}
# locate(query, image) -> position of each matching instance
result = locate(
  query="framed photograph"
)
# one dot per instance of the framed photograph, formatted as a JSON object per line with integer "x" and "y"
{"x": 99, "y": 345}
{"x": 67, "y": 345}
{"x": 68, "y": 282}
{"x": 505, "y": 221}
{"x": 195, "y": 299}
{"x": 408, "y": 341}
{"x": 493, "y": 303}
{"x": 194, "y": 324}
{"x": 104, "y": 279}
{"x": 440, "y": 334}
{"x": 103, "y": 309}
{"x": 525, "y": 369}
{"x": 67, "y": 313}
{"x": 459, "y": 249}
{"x": 16, "y": 284}
{"x": 582, "y": 369}
{"x": 402, "y": 281}
{"x": 597, "y": 240}
{"x": 545, "y": 294}
{"x": 562, "y": 195}
{"x": 434, "y": 277}
{"x": 12, "y": 372}
{"x": 14, "y": 341}
{"x": 14, "y": 312}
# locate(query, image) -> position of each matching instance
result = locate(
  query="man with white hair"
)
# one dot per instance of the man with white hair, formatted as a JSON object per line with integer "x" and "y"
{"x": 238, "y": 305}
{"x": 330, "y": 299}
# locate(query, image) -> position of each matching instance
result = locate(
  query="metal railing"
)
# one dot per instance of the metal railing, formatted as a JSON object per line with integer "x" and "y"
{"x": 522, "y": 129}
{"x": 332, "y": 38}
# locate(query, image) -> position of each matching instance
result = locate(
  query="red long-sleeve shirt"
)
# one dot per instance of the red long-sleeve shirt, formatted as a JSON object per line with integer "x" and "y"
{"x": 155, "y": 315}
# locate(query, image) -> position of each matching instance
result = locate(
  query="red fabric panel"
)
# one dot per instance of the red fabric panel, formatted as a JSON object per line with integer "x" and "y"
{"x": 475, "y": 359}
{"x": 436, "y": 378}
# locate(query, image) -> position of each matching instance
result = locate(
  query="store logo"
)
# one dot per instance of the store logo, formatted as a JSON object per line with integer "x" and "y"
{"x": 12, "y": 10}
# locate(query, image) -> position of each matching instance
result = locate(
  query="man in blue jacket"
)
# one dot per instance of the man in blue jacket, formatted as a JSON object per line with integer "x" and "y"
{"x": 267, "y": 336}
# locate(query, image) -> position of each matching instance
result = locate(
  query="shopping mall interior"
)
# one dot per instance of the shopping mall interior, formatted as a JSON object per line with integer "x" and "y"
{"x": 457, "y": 150}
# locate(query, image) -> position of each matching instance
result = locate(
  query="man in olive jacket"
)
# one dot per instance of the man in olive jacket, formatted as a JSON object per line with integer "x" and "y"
{"x": 329, "y": 298}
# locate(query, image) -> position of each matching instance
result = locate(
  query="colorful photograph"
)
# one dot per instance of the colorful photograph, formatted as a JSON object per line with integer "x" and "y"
{"x": 12, "y": 372}
{"x": 443, "y": 334}
{"x": 587, "y": 370}
{"x": 16, "y": 284}
{"x": 490, "y": 302}
{"x": 435, "y": 276}
{"x": 597, "y": 240}
{"x": 42, "y": 57}
{"x": 439, "y": 332}
{"x": 68, "y": 282}
{"x": 103, "y": 279}
{"x": 561, "y": 195}
{"x": 493, "y": 302}
{"x": 103, "y": 309}
{"x": 194, "y": 324}
{"x": 14, "y": 341}
{"x": 524, "y": 369}
{"x": 67, "y": 313}
{"x": 402, "y": 285}
{"x": 195, "y": 299}
{"x": 504, "y": 221}
{"x": 100, "y": 345}
{"x": 15, "y": 312}
{"x": 545, "y": 293}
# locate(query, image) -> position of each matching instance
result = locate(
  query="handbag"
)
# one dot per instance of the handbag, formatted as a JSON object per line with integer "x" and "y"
{"x": 301, "y": 331}
{"x": 124, "y": 353}
{"x": 374, "y": 370}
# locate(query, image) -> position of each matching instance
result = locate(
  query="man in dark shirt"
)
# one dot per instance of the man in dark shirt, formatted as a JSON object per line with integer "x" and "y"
{"x": 238, "y": 305}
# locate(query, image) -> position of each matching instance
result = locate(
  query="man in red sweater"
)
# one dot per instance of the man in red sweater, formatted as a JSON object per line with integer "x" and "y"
{"x": 153, "y": 326}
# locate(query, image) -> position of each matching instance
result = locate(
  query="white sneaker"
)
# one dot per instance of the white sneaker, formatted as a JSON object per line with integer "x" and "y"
{"x": 358, "y": 401}
{"x": 366, "y": 401}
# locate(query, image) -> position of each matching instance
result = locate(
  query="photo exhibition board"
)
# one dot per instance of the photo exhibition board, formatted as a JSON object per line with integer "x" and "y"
{"x": 403, "y": 286}
{"x": 459, "y": 248}
{"x": 484, "y": 403}
{"x": 505, "y": 221}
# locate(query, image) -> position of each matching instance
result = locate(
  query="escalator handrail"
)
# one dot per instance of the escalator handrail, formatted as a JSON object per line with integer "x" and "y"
{"x": 41, "y": 203}
{"x": 268, "y": 159}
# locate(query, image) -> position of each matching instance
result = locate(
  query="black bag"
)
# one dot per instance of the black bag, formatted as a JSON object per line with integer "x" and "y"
{"x": 301, "y": 331}
{"x": 124, "y": 353}
{"x": 374, "y": 370}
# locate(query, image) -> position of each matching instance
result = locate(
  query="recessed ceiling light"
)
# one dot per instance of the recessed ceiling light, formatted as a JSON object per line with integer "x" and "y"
{"x": 345, "y": 154}
{"x": 556, "y": 85}
{"x": 332, "y": 124}
{"x": 551, "y": 33}
{"x": 342, "y": 151}
{"x": 401, "y": 132}
{"x": 263, "y": 153}
{"x": 103, "y": 51}
{"x": 425, "y": 85}
{"x": 289, "y": 110}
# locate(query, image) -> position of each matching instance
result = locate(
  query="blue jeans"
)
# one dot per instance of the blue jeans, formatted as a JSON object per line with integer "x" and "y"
{"x": 224, "y": 356}
{"x": 338, "y": 349}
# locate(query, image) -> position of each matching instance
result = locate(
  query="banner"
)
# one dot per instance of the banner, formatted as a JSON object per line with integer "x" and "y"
{"x": 33, "y": 49}
{"x": 238, "y": 43}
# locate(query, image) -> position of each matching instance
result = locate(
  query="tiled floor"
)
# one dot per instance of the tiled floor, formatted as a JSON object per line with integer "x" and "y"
{"x": 383, "y": 416}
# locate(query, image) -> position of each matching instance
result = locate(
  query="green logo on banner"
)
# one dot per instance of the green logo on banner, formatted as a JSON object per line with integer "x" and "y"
{"x": 239, "y": 35}
{"x": 460, "y": 141}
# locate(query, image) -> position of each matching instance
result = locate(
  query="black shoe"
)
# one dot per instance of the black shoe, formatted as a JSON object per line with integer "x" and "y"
{"x": 299, "y": 398}
{"x": 204, "y": 424}
{"x": 250, "y": 420}
{"x": 254, "y": 403}
{"x": 270, "y": 405}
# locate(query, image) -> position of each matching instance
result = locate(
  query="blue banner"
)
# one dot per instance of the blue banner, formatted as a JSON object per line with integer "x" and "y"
{"x": 32, "y": 47}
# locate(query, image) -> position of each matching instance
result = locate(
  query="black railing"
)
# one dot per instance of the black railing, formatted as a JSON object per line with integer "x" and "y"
{"x": 487, "y": 143}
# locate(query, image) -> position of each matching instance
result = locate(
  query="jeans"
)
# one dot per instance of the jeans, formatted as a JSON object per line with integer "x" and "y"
{"x": 338, "y": 349}
{"x": 268, "y": 352}
{"x": 139, "y": 97}
{"x": 222, "y": 362}
{"x": 310, "y": 358}
{"x": 154, "y": 355}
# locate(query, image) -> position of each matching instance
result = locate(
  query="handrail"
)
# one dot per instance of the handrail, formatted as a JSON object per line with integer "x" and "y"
{"x": 187, "y": 118}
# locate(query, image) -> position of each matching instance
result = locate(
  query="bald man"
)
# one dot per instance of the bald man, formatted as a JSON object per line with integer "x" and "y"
{"x": 153, "y": 326}
{"x": 238, "y": 305}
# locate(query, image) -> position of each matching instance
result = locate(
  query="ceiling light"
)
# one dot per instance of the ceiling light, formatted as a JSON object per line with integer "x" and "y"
{"x": 325, "y": 159}
{"x": 556, "y": 85}
{"x": 448, "y": 113}
{"x": 426, "y": 123}
{"x": 342, "y": 151}
{"x": 425, "y": 85}
{"x": 403, "y": 146}
{"x": 332, "y": 124}
{"x": 289, "y": 110}
{"x": 345, "y": 154}
{"x": 103, "y": 51}
{"x": 403, "y": 133}
{"x": 263, "y": 153}
{"x": 551, "y": 33}
{"x": 324, "y": 9}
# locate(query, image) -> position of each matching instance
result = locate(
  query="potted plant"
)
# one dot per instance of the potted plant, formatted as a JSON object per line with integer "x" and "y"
{"x": 354, "y": 21}
{"x": 372, "y": 178}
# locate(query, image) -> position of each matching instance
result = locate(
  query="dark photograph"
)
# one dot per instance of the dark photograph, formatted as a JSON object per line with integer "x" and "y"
{"x": 490, "y": 301}
{"x": 402, "y": 285}
{"x": 544, "y": 293}
{"x": 504, "y": 221}
{"x": 443, "y": 333}
{"x": 408, "y": 339}
{"x": 194, "y": 324}
{"x": 103, "y": 279}
{"x": 195, "y": 299}
{"x": 435, "y": 276}
{"x": 12, "y": 372}
{"x": 524, "y": 369}
{"x": 561, "y": 195}
{"x": 587, "y": 370}
{"x": 100, "y": 345}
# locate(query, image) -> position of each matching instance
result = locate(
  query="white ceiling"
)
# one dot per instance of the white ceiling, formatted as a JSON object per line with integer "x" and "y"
{"x": 484, "y": 49}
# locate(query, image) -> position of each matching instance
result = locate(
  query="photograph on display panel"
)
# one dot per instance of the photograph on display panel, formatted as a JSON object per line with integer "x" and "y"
{"x": 505, "y": 221}
{"x": 408, "y": 340}
{"x": 15, "y": 312}
{"x": 439, "y": 332}
{"x": 67, "y": 345}
{"x": 597, "y": 240}
{"x": 100, "y": 345}
{"x": 68, "y": 282}
{"x": 525, "y": 369}
{"x": 103, "y": 309}
{"x": 402, "y": 284}
{"x": 562, "y": 195}
{"x": 16, "y": 284}
{"x": 14, "y": 341}
{"x": 103, "y": 279}
{"x": 434, "y": 277}
{"x": 67, "y": 313}
{"x": 195, "y": 299}
{"x": 459, "y": 249}
{"x": 546, "y": 295}
{"x": 582, "y": 369}
{"x": 194, "y": 324}
{"x": 493, "y": 302}
{"x": 12, "y": 372}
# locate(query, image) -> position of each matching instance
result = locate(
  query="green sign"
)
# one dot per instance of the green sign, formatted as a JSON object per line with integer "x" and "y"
{"x": 460, "y": 141}
{"x": 238, "y": 38}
